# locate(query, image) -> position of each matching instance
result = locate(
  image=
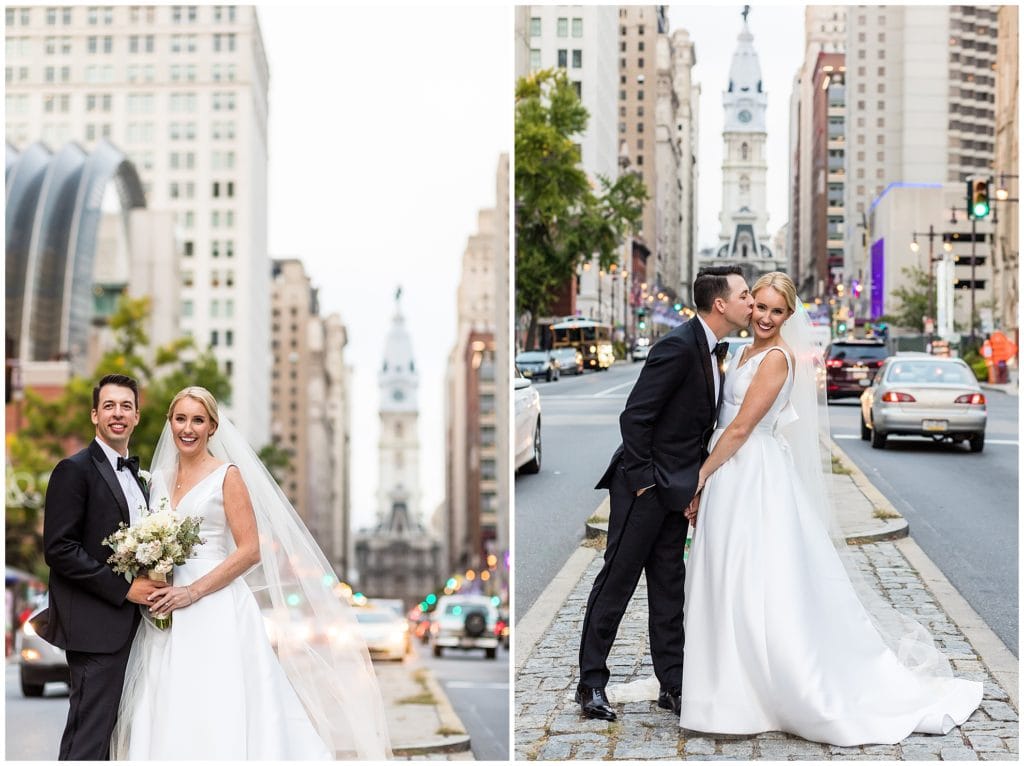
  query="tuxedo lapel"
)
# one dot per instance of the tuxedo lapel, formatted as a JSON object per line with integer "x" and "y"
{"x": 705, "y": 357}
{"x": 99, "y": 459}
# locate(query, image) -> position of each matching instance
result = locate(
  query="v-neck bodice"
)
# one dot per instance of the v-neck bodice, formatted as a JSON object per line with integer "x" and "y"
{"x": 206, "y": 500}
{"x": 738, "y": 380}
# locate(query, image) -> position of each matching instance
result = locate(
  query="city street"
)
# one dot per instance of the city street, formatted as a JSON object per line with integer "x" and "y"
{"x": 580, "y": 430}
{"x": 479, "y": 693}
{"x": 962, "y": 507}
{"x": 476, "y": 687}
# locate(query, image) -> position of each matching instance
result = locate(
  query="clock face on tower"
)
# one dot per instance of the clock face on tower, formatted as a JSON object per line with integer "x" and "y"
{"x": 744, "y": 116}
{"x": 397, "y": 395}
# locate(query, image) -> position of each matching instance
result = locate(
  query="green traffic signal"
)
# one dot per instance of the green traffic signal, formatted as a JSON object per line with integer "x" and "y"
{"x": 978, "y": 203}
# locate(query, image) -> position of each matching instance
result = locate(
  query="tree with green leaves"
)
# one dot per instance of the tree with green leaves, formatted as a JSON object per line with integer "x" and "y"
{"x": 53, "y": 429}
{"x": 560, "y": 221}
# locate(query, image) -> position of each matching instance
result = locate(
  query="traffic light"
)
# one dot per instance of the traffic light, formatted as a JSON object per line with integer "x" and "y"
{"x": 841, "y": 327}
{"x": 978, "y": 204}
{"x": 641, "y": 318}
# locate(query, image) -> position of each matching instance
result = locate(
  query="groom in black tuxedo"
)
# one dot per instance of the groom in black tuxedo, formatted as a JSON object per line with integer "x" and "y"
{"x": 92, "y": 613}
{"x": 652, "y": 477}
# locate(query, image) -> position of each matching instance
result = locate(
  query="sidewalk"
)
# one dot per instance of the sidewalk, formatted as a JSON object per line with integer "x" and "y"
{"x": 549, "y": 725}
{"x": 421, "y": 721}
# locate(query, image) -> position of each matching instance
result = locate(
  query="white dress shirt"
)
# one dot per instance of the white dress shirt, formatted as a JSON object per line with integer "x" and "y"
{"x": 132, "y": 491}
{"x": 712, "y": 342}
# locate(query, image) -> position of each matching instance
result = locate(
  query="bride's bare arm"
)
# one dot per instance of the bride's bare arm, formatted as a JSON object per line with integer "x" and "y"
{"x": 768, "y": 381}
{"x": 242, "y": 522}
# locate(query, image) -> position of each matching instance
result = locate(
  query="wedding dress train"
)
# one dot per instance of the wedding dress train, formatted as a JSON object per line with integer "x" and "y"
{"x": 776, "y": 637}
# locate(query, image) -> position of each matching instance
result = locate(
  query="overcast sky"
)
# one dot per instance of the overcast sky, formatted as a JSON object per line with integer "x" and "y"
{"x": 779, "y": 41}
{"x": 385, "y": 131}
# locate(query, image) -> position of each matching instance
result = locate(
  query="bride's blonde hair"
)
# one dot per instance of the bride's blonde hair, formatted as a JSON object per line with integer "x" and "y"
{"x": 781, "y": 282}
{"x": 202, "y": 396}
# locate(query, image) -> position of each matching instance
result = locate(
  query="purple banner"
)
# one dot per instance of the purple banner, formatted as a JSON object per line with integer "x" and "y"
{"x": 877, "y": 278}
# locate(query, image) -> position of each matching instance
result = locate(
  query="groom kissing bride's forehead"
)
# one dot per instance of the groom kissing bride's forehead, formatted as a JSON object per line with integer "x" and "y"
{"x": 91, "y": 612}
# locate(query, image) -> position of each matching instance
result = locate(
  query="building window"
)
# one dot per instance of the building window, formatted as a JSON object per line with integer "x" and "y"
{"x": 188, "y": 248}
{"x": 744, "y": 151}
{"x": 578, "y": 87}
{"x": 577, "y": 59}
{"x": 562, "y": 27}
{"x": 535, "y": 26}
{"x": 563, "y": 58}
{"x": 186, "y": 308}
{"x": 229, "y": 338}
{"x": 214, "y": 338}
{"x": 577, "y": 27}
{"x": 534, "y": 58}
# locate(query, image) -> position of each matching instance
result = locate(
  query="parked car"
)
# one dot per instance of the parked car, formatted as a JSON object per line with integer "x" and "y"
{"x": 570, "y": 360}
{"x": 528, "y": 442}
{"x": 851, "y": 365}
{"x": 640, "y": 349}
{"x": 537, "y": 364}
{"x": 465, "y": 622}
{"x": 386, "y": 634}
{"x": 922, "y": 395}
{"x": 40, "y": 662}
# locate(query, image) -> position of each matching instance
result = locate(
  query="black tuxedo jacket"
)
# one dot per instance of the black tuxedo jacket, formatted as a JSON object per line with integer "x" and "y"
{"x": 669, "y": 418}
{"x": 88, "y": 610}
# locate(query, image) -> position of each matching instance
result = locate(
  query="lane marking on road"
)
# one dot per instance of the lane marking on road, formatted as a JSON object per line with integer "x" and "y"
{"x": 474, "y": 685}
{"x": 607, "y": 391}
{"x": 1005, "y": 442}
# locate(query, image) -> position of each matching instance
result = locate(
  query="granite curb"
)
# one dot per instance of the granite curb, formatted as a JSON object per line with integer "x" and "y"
{"x": 450, "y": 721}
{"x": 421, "y": 719}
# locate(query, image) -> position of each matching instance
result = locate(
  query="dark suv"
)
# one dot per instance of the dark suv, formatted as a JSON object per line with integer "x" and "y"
{"x": 851, "y": 366}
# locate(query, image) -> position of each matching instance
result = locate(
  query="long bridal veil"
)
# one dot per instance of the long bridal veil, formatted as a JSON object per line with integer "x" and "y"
{"x": 319, "y": 643}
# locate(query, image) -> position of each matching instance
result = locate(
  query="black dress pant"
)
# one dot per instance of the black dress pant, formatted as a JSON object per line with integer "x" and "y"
{"x": 96, "y": 682}
{"x": 643, "y": 536}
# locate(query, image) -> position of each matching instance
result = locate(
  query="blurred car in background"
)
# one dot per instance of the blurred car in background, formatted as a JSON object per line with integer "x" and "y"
{"x": 527, "y": 432}
{"x": 640, "y": 349}
{"x": 465, "y": 622}
{"x": 537, "y": 364}
{"x": 40, "y": 662}
{"x": 386, "y": 634}
{"x": 851, "y": 365}
{"x": 570, "y": 360}
{"x": 923, "y": 395}
{"x": 502, "y": 628}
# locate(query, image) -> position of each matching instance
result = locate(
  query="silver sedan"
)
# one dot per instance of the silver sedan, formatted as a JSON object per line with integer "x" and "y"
{"x": 922, "y": 395}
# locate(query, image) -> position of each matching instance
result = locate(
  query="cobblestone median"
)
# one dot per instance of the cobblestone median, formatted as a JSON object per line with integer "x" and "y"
{"x": 549, "y": 725}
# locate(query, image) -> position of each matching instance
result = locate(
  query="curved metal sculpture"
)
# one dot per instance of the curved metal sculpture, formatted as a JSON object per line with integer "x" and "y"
{"x": 54, "y": 207}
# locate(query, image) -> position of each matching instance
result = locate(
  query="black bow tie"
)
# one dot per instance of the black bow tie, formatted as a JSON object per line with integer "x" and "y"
{"x": 132, "y": 463}
{"x": 720, "y": 350}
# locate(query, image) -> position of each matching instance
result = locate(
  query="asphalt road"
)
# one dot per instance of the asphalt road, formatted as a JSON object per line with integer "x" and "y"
{"x": 478, "y": 689}
{"x": 580, "y": 430}
{"x": 962, "y": 507}
{"x": 34, "y": 725}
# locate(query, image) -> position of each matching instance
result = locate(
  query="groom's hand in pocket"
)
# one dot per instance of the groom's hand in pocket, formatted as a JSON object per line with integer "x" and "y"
{"x": 142, "y": 588}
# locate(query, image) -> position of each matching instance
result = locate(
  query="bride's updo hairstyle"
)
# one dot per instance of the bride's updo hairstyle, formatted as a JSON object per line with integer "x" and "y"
{"x": 782, "y": 284}
{"x": 202, "y": 396}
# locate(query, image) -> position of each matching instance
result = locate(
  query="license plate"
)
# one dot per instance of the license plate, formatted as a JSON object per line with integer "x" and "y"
{"x": 865, "y": 382}
{"x": 858, "y": 374}
{"x": 934, "y": 425}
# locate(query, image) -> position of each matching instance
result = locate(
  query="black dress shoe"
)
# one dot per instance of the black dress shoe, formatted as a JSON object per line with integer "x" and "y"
{"x": 594, "y": 703}
{"x": 670, "y": 699}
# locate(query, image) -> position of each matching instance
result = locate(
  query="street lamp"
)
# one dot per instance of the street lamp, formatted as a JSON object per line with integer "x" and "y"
{"x": 932, "y": 234}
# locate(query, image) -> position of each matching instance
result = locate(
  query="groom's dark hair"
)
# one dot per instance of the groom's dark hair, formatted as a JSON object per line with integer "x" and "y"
{"x": 115, "y": 380}
{"x": 712, "y": 282}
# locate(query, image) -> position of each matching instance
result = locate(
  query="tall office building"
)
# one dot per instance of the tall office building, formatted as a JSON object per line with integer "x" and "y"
{"x": 921, "y": 93}
{"x": 182, "y": 90}
{"x": 1006, "y": 253}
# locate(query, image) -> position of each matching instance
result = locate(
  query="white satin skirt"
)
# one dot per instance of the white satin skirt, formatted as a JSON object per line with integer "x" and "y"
{"x": 211, "y": 687}
{"x": 776, "y": 638}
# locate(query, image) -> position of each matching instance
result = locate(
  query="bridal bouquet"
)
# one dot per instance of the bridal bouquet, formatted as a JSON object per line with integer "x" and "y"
{"x": 155, "y": 544}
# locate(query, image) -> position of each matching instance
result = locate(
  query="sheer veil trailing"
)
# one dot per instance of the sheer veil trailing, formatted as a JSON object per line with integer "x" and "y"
{"x": 319, "y": 645}
{"x": 804, "y": 426}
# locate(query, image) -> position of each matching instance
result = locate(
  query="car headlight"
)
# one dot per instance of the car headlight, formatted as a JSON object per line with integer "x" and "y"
{"x": 30, "y": 655}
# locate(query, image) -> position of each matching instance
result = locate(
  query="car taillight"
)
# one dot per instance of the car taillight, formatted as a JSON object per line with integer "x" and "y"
{"x": 834, "y": 363}
{"x": 897, "y": 396}
{"x": 970, "y": 399}
{"x": 879, "y": 363}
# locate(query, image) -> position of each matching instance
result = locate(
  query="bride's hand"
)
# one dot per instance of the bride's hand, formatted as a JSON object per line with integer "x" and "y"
{"x": 169, "y": 599}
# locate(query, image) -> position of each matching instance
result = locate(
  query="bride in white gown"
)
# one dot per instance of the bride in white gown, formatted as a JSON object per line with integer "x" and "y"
{"x": 778, "y": 636}
{"x": 212, "y": 687}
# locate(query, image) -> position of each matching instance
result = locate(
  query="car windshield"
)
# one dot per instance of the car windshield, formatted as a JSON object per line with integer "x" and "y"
{"x": 854, "y": 353}
{"x": 532, "y": 356}
{"x": 923, "y": 371}
{"x": 374, "y": 617}
{"x": 564, "y": 352}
